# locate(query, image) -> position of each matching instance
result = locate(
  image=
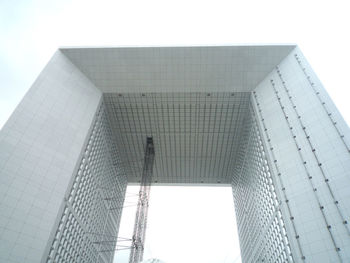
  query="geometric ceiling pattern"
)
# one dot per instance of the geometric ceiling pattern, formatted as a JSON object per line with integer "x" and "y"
{"x": 196, "y": 135}
{"x": 191, "y": 100}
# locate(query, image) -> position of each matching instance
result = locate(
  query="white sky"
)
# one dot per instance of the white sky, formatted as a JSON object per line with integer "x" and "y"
{"x": 31, "y": 31}
{"x": 191, "y": 224}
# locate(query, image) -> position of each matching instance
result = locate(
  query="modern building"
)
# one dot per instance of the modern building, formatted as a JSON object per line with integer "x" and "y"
{"x": 254, "y": 117}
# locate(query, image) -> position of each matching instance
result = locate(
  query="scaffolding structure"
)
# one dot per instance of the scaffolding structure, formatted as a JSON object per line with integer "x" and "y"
{"x": 138, "y": 238}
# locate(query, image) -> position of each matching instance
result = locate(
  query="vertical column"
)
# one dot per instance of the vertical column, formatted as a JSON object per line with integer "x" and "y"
{"x": 40, "y": 147}
{"x": 310, "y": 146}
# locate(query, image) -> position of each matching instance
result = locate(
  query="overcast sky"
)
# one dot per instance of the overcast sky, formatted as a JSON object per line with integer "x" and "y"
{"x": 191, "y": 224}
{"x": 31, "y": 31}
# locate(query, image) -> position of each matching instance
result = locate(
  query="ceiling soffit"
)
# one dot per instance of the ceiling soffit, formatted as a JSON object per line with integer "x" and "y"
{"x": 177, "y": 69}
{"x": 196, "y": 135}
{"x": 191, "y": 100}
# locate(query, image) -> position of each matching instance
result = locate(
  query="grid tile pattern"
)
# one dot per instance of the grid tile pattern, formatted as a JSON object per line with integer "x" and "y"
{"x": 40, "y": 147}
{"x": 177, "y": 69}
{"x": 287, "y": 155}
{"x": 88, "y": 228}
{"x": 308, "y": 139}
{"x": 195, "y": 134}
{"x": 261, "y": 227}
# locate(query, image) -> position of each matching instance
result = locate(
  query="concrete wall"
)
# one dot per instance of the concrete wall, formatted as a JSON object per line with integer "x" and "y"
{"x": 308, "y": 142}
{"x": 40, "y": 146}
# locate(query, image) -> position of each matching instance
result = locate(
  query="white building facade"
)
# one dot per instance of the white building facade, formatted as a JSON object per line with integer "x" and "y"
{"x": 254, "y": 117}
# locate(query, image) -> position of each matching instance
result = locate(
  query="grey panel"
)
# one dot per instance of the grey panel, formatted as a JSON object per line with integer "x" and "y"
{"x": 177, "y": 69}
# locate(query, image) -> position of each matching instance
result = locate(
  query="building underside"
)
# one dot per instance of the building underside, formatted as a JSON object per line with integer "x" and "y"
{"x": 254, "y": 117}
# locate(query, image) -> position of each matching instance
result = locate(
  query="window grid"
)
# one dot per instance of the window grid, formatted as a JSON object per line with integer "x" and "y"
{"x": 93, "y": 207}
{"x": 260, "y": 223}
{"x": 196, "y": 134}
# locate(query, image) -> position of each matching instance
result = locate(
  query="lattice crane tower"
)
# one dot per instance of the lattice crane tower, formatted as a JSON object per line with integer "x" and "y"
{"x": 138, "y": 238}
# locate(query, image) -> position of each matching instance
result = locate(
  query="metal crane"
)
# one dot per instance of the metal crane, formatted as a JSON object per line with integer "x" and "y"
{"x": 138, "y": 238}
